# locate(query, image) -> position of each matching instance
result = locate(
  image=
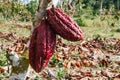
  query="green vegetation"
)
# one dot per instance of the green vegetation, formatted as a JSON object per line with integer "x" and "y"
{"x": 97, "y": 18}
{"x": 3, "y": 58}
{"x": 61, "y": 74}
{"x": 118, "y": 30}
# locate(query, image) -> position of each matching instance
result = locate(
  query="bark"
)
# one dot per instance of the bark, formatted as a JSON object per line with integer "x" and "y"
{"x": 17, "y": 72}
{"x": 101, "y": 7}
{"x": 40, "y": 13}
{"x": 118, "y": 4}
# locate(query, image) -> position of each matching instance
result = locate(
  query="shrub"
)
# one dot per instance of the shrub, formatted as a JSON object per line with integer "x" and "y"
{"x": 80, "y": 22}
{"x": 118, "y": 30}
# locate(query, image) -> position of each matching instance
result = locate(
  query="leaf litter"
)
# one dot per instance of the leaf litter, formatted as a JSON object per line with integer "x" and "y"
{"x": 94, "y": 59}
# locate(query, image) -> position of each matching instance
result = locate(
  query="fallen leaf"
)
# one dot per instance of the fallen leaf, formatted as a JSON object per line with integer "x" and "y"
{"x": 1, "y": 70}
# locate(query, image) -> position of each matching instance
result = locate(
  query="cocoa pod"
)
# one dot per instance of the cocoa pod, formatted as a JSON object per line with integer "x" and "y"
{"x": 42, "y": 46}
{"x": 64, "y": 25}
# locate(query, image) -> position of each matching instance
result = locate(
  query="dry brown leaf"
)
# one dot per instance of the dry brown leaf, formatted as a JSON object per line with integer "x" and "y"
{"x": 1, "y": 70}
{"x": 87, "y": 74}
{"x": 105, "y": 62}
{"x": 78, "y": 64}
{"x": 116, "y": 79}
{"x": 66, "y": 64}
{"x": 104, "y": 73}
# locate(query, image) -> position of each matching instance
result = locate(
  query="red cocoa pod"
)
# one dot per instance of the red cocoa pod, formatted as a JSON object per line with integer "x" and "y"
{"x": 64, "y": 25}
{"x": 42, "y": 46}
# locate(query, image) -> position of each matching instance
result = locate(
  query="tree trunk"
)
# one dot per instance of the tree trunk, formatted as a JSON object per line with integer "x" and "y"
{"x": 118, "y": 3}
{"x": 22, "y": 63}
{"x": 40, "y": 13}
{"x": 101, "y": 6}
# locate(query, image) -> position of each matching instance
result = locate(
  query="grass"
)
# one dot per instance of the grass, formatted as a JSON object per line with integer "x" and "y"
{"x": 2, "y": 20}
{"x": 3, "y": 58}
{"x": 103, "y": 28}
{"x": 10, "y": 27}
{"x": 92, "y": 28}
{"x": 61, "y": 74}
{"x": 90, "y": 32}
{"x": 109, "y": 27}
{"x": 18, "y": 31}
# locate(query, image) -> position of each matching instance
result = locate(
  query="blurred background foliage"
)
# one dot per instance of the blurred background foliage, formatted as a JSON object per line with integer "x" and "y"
{"x": 17, "y": 10}
{"x": 80, "y": 10}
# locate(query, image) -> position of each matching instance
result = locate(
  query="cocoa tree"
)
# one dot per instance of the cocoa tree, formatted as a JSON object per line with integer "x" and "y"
{"x": 40, "y": 11}
{"x": 22, "y": 62}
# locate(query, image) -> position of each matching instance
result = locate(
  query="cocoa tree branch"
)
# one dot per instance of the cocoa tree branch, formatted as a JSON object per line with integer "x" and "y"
{"x": 40, "y": 12}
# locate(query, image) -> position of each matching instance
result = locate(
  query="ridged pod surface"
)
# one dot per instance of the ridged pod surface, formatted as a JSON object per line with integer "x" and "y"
{"x": 42, "y": 46}
{"x": 64, "y": 25}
